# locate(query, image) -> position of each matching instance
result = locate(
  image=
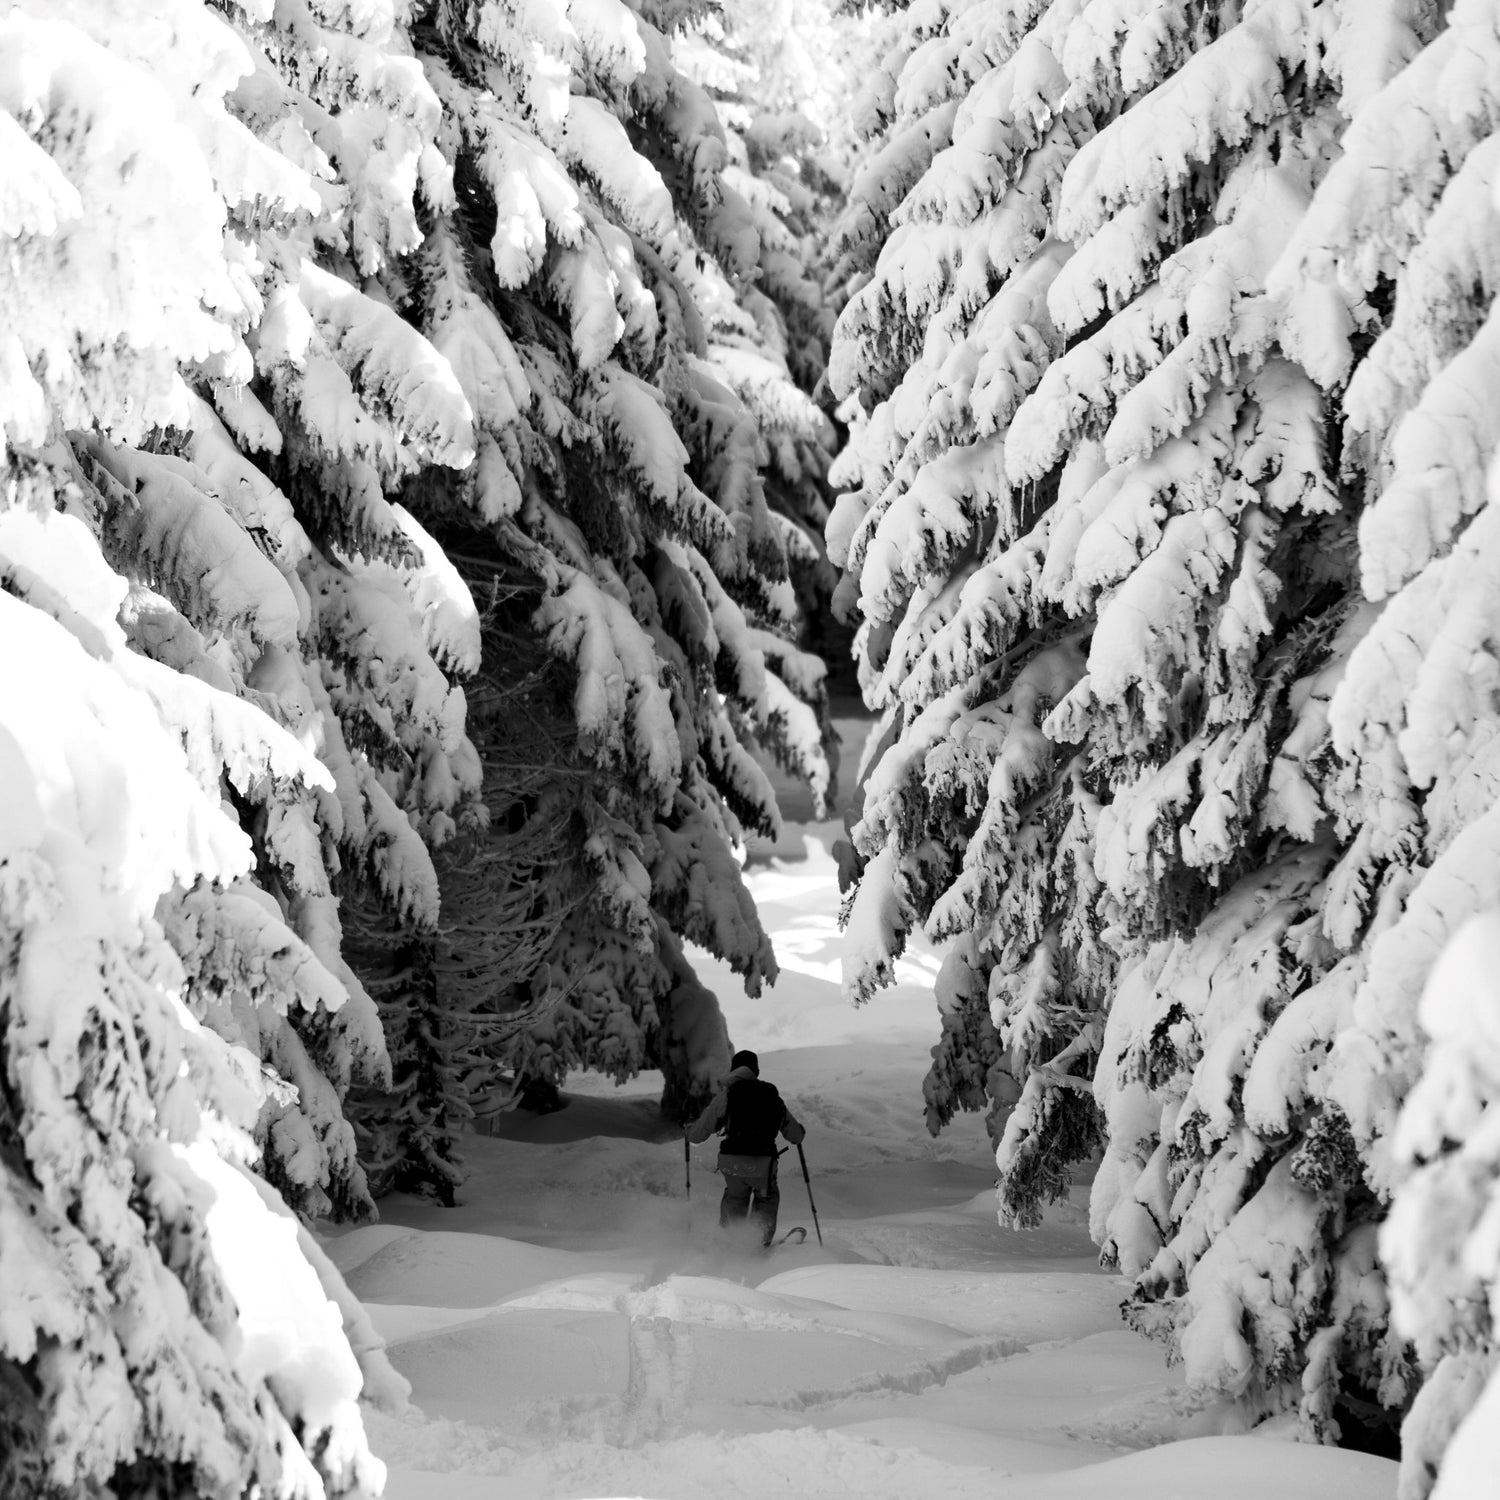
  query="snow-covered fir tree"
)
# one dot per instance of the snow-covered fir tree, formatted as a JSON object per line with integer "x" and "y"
{"x": 588, "y": 276}
{"x": 222, "y": 698}
{"x": 1171, "y": 404}
{"x": 1439, "y": 1243}
{"x": 760, "y": 63}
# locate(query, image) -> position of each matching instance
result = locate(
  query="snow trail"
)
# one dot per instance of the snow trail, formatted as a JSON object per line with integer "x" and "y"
{"x": 576, "y": 1327}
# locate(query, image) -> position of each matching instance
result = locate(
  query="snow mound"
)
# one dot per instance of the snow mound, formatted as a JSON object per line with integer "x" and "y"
{"x": 831, "y": 1466}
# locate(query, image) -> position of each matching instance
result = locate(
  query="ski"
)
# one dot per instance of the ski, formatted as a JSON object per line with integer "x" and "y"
{"x": 799, "y": 1231}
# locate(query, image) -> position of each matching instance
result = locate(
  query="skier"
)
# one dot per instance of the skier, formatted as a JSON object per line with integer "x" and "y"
{"x": 750, "y": 1113}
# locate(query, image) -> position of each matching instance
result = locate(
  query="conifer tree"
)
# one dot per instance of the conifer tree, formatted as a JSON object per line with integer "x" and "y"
{"x": 1437, "y": 1243}
{"x": 1165, "y": 383}
{"x": 753, "y": 60}
{"x": 593, "y": 264}
{"x": 222, "y": 698}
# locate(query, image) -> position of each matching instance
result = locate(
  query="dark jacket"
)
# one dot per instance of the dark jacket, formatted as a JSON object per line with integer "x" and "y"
{"x": 751, "y": 1114}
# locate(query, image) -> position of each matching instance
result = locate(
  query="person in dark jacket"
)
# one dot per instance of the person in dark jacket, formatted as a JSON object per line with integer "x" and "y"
{"x": 750, "y": 1114}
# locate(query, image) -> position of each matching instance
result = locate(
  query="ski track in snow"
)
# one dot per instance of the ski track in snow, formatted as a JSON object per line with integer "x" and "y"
{"x": 577, "y": 1328}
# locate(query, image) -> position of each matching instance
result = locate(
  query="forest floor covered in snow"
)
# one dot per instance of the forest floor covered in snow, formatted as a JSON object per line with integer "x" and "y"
{"x": 576, "y": 1327}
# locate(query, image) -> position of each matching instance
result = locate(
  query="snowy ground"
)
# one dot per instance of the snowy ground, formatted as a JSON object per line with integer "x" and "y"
{"x": 576, "y": 1328}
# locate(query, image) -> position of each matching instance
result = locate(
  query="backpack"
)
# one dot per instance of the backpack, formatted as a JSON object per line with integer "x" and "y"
{"x": 753, "y": 1115}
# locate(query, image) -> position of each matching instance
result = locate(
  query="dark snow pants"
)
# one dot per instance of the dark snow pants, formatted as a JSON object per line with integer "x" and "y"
{"x": 748, "y": 1200}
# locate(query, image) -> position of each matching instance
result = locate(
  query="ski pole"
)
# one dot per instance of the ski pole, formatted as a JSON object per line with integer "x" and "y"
{"x": 687, "y": 1165}
{"x": 808, "y": 1180}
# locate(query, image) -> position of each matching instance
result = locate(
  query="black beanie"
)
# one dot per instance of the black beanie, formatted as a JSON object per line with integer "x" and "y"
{"x": 746, "y": 1060}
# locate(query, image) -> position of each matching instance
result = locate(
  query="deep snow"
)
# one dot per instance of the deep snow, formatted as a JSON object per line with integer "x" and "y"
{"x": 576, "y": 1328}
